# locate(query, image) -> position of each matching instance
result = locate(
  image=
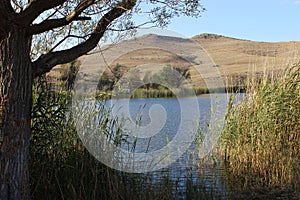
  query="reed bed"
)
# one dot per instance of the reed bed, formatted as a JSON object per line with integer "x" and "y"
{"x": 261, "y": 139}
{"x": 62, "y": 168}
{"x": 163, "y": 92}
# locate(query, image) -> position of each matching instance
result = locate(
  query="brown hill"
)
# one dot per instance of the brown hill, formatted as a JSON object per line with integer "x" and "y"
{"x": 232, "y": 58}
{"x": 244, "y": 56}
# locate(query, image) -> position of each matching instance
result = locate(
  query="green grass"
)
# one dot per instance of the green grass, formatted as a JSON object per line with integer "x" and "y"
{"x": 163, "y": 92}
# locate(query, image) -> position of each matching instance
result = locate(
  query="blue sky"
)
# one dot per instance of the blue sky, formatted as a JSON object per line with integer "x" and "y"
{"x": 259, "y": 20}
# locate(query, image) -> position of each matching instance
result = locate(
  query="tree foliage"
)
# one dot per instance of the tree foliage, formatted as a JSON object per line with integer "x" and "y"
{"x": 172, "y": 77}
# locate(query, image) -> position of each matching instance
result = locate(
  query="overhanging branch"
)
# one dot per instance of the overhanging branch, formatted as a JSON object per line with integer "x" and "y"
{"x": 46, "y": 62}
{"x": 37, "y": 7}
{"x": 65, "y": 38}
{"x": 55, "y": 23}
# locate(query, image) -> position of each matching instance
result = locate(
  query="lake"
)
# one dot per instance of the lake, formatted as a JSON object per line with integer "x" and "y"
{"x": 166, "y": 147}
{"x": 192, "y": 173}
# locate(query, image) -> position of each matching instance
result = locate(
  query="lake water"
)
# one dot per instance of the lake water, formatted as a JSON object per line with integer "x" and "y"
{"x": 160, "y": 119}
{"x": 192, "y": 175}
{"x": 190, "y": 169}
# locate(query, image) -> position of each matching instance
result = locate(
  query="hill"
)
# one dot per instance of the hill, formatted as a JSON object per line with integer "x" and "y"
{"x": 233, "y": 58}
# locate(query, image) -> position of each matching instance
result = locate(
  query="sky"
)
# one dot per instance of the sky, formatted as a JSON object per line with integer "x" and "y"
{"x": 257, "y": 20}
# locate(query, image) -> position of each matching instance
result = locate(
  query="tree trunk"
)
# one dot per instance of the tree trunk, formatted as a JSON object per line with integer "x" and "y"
{"x": 15, "y": 113}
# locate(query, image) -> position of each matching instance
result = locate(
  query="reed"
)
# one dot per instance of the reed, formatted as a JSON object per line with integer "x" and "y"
{"x": 60, "y": 165}
{"x": 62, "y": 168}
{"x": 261, "y": 139}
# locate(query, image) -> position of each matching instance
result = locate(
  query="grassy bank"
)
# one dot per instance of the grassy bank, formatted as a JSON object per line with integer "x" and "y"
{"x": 166, "y": 93}
{"x": 261, "y": 140}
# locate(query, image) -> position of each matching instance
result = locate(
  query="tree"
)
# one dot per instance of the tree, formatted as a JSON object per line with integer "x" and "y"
{"x": 170, "y": 76}
{"x": 68, "y": 74}
{"x": 35, "y": 36}
{"x": 104, "y": 83}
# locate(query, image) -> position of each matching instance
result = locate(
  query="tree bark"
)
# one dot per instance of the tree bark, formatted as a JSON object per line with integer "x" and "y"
{"x": 16, "y": 74}
{"x": 15, "y": 113}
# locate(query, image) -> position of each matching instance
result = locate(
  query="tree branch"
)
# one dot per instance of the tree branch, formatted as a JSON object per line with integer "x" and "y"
{"x": 46, "y": 62}
{"x": 65, "y": 38}
{"x": 55, "y": 23}
{"x": 37, "y": 7}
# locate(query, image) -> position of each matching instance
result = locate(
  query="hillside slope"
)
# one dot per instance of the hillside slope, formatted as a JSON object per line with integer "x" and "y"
{"x": 232, "y": 58}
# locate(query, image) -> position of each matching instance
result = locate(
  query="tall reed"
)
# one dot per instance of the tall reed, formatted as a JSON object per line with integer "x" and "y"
{"x": 62, "y": 168}
{"x": 261, "y": 139}
{"x": 60, "y": 165}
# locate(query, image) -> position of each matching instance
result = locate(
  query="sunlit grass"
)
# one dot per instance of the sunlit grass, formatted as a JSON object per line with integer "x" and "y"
{"x": 261, "y": 140}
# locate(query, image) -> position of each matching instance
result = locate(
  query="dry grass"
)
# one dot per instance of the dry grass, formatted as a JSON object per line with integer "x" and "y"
{"x": 261, "y": 140}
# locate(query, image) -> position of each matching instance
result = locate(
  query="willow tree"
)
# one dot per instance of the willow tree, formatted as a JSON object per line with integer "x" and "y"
{"x": 35, "y": 36}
